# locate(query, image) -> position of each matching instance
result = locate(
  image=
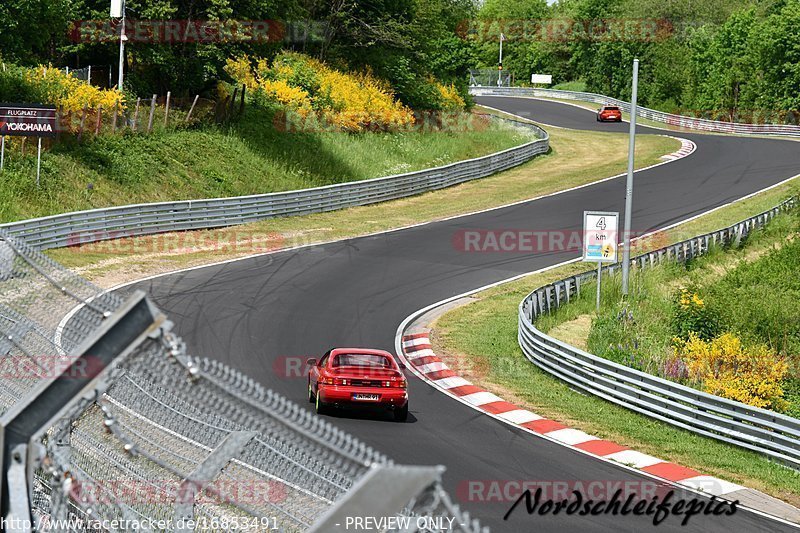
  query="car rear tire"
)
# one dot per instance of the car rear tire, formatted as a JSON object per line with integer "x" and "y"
{"x": 319, "y": 406}
{"x": 401, "y": 415}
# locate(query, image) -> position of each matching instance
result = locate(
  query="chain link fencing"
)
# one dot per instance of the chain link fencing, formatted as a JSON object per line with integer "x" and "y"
{"x": 160, "y": 440}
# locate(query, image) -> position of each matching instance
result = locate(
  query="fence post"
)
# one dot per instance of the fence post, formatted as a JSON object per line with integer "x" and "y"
{"x": 166, "y": 109}
{"x": 196, "y": 97}
{"x": 233, "y": 103}
{"x": 241, "y": 106}
{"x": 99, "y": 120}
{"x": 83, "y": 122}
{"x": 114, "y": 117}
{"x": 136, "y": 115}
{"x": 152, "y": 111}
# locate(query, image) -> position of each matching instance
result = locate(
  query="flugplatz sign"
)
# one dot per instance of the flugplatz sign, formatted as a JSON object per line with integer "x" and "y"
{"x": 28, "y": 120}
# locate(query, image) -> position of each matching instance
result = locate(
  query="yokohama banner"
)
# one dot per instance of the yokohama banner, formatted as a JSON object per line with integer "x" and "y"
{"x": 28, "y": 120}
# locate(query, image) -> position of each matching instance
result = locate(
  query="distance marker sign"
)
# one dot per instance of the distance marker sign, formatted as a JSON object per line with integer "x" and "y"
{"x": 600, "y": 236}
{"x": 28, "y": 120}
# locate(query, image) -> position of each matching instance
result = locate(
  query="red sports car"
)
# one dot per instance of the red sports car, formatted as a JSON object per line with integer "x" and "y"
{"x": 358, "y": 377}
{"x": 609, "y": 113}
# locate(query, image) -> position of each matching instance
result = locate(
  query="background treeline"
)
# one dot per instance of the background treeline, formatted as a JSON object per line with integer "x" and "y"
{"x": 728, "y": 57}
{"x": 409, "y": 43}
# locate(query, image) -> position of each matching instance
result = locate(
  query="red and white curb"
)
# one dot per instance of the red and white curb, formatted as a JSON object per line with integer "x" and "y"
{"x": 423, "y": 361}
{"x": 687, "y": 148}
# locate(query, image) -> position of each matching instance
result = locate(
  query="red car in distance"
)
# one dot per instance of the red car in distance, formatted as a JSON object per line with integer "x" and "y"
{"x": 358, "y": 377}
{"x": 609, "y": 113}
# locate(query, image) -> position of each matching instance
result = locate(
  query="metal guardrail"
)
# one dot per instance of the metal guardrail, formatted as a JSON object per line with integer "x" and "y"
{"x": 146, "y": 219}
{"x": 106, "y": 419}
{"x": 681, "y": 121}
{"x": 760, "y": 430}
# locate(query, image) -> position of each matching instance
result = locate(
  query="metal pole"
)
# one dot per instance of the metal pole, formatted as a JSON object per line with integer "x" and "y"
{"x": 39, "y": 163}
{"x": 599, "y": 273}
{"x": 122, "y": 39}
{"x": 626, "y": 247}
{"x": 2, "y": 152}
{"x": 500, "y": 64}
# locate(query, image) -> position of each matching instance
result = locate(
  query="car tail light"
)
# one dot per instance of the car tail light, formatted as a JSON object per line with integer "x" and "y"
{"x": 333, "y": 381}
{"x": 399, "y": 384}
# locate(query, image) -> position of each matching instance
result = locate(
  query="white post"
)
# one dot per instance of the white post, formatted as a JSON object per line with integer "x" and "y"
{"x": 39, "y": 163}
{"x": 2, "y": 152}
{"x": 122, "y": 39}
{"x": 599, "y": 273}
{"x": 89, "y": 76}
{"x": 500, "y": 64}
{"x": 626, "y": 247}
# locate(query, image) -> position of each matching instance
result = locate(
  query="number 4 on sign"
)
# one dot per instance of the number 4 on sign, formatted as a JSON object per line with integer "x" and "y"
{"x": 601, "y": 223}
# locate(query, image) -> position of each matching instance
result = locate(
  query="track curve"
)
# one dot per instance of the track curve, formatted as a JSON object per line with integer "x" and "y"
{"x": 252, "y": 314}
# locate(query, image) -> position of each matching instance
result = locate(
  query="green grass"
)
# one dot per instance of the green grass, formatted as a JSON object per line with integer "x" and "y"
{"x": 576, "y": 158}
{"x": 640, "y": 331}
{"x": 485, "y": 333}
{"x": 579, "y": 86}
{"x": 248, "y": 157}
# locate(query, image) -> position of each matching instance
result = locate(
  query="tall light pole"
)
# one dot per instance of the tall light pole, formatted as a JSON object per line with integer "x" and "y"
{"x": 626, "y": 249}
{"x": 500, "y": 62}
{"x": 118, "y": 11}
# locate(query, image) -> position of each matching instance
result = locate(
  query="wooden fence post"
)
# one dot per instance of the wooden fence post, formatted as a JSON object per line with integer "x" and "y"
{"x": 197, "y": 97}
{"x": 166, "y": 110}
{"x": 233, "y": 103}
{"x": 136, "y": 115}
{"x": 241, "y": 106}
{"x": 99, "y": 120}
{"x": 152, "y": 111}
{"x": 114, "y": 117}
{"x": 83, "y": 123}
{"x": 59, "y": 122}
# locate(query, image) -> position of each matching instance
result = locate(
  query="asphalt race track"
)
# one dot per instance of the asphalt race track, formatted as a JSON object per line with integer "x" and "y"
{"x": 254, "y": 313}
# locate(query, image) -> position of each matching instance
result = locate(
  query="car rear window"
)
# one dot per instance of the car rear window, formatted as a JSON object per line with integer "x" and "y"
{"x": 611, "y": 108}
{"x": 362, "y": 359}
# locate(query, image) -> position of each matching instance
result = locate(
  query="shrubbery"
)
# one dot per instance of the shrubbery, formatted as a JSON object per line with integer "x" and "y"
{"x": 724, "y": 366}
{"x": 734, "y": 333}
{"x": 47, "y": 85}
{"x": 692, "y": 316}
{"x": 352, "y": 102}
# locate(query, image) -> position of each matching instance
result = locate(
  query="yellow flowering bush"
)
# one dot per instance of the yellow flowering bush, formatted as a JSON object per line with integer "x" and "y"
{"x": 692, "y": 315}
{"x": 285, "y": 94}
{"x": 342, "y": 101}
{"x": 239, "y": 69}
{"x": 451, "y": 100}
{"x": 72, "y": 94}
{"x": 727, "y": 368}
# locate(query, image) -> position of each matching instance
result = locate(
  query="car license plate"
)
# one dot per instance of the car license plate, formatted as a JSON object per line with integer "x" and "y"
{"x": 366, "y": 397}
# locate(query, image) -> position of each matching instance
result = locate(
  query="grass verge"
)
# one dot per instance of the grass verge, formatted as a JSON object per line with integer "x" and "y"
{"x": 250, "y": 156}
{"x": 723, "y": 282}
{"x": 484, "y": 332}
{"x": 576, "y": 158}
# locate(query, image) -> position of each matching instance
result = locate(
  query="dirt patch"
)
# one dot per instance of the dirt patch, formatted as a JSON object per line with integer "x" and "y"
{"x": 574, "y": 332}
